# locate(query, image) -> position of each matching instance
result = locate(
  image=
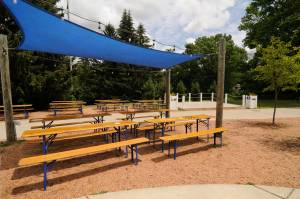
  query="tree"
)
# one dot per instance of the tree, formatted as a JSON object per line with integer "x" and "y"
{"x": 280, "y": 68}
{"x": 110, "y": 31}
{"x": 141, "y": 37}
{"x": 181, "y": 88}
{"x": 267, "y": 18}
{"x": 195, "y": 88}
{"x": 149, "y": 89}
{"x": 126, "y": 30}
{"x": 204, "y": 71}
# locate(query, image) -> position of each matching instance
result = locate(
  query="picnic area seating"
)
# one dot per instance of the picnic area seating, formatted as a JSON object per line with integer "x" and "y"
{"x": 25, "y": 108}
{"x": 217, "y": 132}
{"x": 48, "y": 159}
{"x": 67, "y": 107}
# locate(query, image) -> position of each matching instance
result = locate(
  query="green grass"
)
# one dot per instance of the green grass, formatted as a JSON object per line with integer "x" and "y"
{"x": 280, "y": 103}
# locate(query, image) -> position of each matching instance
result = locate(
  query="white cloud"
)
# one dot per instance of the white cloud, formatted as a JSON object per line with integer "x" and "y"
{"x": 168, "y": 20}
{"x": 190, "y": 40}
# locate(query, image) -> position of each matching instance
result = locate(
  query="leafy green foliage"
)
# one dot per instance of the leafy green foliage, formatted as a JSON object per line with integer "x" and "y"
{"x": 204, "y": 71}
{"x": 267, "y": 18}
{"x": 279, "y": 68}
{"x": 195, "y": 87}
{"x": 181, "y": 88}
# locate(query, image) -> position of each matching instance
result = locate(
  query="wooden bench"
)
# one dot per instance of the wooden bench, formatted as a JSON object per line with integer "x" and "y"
{"x": 186, "y": 124}
{"x": 25, "y": 108}
{"x": 63, "y": 124}
{"x": 48, "y": 159}
{"x": 66, "y": 107}
{"x": 77, "y": 136}
{"x": 217, "y": 132}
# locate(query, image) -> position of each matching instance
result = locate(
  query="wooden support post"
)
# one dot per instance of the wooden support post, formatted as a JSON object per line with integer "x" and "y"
{"x": 6, "y": 90}
{"x": 168, "y": 91}
{"x": 220, "y": 86}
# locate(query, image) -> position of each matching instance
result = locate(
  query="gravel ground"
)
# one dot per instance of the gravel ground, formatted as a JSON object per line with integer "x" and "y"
{"x": 253, "y": 153}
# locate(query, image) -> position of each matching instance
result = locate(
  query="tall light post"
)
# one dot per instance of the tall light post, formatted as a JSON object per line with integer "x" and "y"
{"x": 70, "y": 58}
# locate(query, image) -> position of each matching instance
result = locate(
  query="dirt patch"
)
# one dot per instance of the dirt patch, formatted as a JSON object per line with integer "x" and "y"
{"x": 253, "y": 153}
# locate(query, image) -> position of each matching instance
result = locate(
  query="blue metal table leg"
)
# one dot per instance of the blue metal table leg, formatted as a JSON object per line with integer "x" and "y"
{"x": 136, "y": 155}
{"x": 175, "y": 145}
{"x": 44, "y": 145}
{"x": 162, "y": 134}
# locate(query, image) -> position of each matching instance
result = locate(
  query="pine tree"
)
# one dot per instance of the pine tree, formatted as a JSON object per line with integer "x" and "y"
{"x": 110, "y": 30}
{"x": 141, "y": 37}
{"x": 126, "y": 30}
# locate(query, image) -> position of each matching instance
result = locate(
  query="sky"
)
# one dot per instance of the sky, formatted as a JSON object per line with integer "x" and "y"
{"x": 168, "y": 21}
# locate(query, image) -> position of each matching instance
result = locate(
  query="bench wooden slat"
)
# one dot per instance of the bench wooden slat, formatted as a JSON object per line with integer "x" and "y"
{"x": 193, "y": 134}
{"x": 85, "y": 135}
{"x": 63, "y": 124}
{"x": 78, "y": 152}
{"x": 145, "y": 128}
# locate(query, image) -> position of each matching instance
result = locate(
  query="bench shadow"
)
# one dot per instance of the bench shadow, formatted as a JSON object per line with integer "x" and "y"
{"x": 59, "y": 180}
{"x": 182, "y": 153}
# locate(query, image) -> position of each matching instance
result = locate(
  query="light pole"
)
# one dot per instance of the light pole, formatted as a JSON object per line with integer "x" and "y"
{"x": 70, "y": 58}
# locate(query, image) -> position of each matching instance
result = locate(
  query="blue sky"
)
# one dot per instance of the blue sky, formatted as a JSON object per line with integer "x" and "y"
{"x": 169, "y": 21}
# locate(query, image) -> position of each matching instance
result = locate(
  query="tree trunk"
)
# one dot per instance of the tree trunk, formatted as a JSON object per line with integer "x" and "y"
{"x": 275, "y": 105}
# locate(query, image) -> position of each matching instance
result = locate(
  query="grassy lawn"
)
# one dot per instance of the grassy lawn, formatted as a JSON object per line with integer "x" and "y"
{"x": 280, "y": 104}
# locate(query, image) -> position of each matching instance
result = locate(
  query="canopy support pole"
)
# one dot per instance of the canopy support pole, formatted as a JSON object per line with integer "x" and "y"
{"x": 6, "y": 90}
{"x": 168, "y": 91}
{"x": 220, "y": 86}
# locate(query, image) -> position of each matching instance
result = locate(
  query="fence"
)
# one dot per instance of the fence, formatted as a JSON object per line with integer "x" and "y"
{"x": 200, "y": 97}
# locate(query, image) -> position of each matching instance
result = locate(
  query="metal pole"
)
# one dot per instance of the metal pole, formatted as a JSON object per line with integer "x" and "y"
{"x": 220, "y": 86}
{"x": 70, "y": 58}
{"x": 168, "y": 90}
{"x": 6, "y": 90}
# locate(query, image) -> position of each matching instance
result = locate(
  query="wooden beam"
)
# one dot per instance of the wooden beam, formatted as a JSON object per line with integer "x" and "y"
{"x": 220, "y": 85}
{"x": 168, "y": 90}
{"x": 6, "y": 90}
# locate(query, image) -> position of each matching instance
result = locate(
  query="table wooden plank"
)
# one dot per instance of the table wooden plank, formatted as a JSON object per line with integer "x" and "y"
{"x": 68, "y": 129}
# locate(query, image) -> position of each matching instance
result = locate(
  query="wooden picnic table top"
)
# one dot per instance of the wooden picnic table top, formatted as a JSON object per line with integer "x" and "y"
{"x": 111, "y": 101}
{"x": 19, "y": 106}
{"x": 202, "y": 116}
{"x": 67, "y": 117}
{"x": 166, "y": 120}
{"x": 66, "y": 103}
{"x": 145, "y": 101}
{"x": 69, "y": 129}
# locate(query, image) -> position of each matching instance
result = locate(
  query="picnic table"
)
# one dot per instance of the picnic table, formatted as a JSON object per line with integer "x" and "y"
{"x": 204, "y": 119}
{"x": 147, "y": 104}
{"x": 98, "y": 118}
{"x": 48, "y": 135}
{"x": 186, "y": 121}
{"x": 66, "y": 106}
{"x": 104, "y": 105}
{"x": 19, "y": 108}
{"x": 131, "y": 114}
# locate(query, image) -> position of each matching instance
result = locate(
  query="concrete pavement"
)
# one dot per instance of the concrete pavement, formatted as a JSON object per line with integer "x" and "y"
{"x": 210, "y": 191}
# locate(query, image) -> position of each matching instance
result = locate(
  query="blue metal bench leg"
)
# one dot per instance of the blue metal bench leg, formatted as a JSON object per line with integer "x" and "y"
{"x": 126, "y": 137}
{"x": 136, "y": 155}
{"x": 44, "y": 145}
{"x": 162, "y": 142}
{"x": 175, "y": 145}
{"x": 45, "y": 175}
{"x": 131, "y": 147}
{"x": 169, "y": 146}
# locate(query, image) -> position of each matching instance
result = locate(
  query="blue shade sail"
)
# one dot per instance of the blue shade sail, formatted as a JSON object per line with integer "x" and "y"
{"x": 45, "y": 32}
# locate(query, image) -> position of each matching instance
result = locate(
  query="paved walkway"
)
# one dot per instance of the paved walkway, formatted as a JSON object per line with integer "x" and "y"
{"x": 204, "y": 192}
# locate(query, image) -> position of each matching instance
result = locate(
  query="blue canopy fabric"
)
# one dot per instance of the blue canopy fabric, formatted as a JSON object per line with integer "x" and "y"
{"x": 45, "y": 32}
